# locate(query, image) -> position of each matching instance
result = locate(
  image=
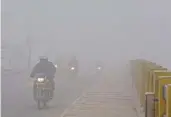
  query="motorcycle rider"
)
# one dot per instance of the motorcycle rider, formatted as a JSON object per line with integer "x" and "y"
{"x": 99, "y": 65}
{"x": 73, "y": 63}
{"x": 46, "y": 67}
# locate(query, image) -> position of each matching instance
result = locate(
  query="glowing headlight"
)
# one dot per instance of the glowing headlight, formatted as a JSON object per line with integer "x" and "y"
{"x": 56, "y": 66}
{"x": 72, "y": 68}
{"x": 40, "y": 79}
{"x": 99, "y": 68}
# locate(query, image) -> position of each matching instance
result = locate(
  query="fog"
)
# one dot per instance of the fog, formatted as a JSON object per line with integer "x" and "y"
{"x": 111, "y": 31}
{"x": 92, "y": 29}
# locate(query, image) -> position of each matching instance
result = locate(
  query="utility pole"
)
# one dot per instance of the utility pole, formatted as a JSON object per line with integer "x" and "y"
{"x": 29, "y": 51}
{"x": 28, "y": 40}
{"x": 29, "y": 36}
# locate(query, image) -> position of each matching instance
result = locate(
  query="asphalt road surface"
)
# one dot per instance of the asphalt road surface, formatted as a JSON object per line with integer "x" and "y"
{"x": 17, "y": 98}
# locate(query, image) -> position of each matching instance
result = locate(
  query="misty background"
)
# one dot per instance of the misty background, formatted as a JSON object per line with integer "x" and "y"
{"x": 112, "y": 31}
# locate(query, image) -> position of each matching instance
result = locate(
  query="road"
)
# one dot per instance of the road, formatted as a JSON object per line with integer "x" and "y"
{"x": 17, "y": 98}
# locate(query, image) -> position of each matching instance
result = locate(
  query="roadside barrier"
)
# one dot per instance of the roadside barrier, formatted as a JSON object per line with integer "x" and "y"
{"x": 152, "y": 86}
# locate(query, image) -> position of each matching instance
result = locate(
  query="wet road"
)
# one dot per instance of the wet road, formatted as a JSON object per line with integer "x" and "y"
{"x": 17, "y": 96}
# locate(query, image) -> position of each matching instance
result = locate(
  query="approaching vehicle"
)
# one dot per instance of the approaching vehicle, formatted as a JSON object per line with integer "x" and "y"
{"x": 73, "y": 67}
{"x": 72, "y": 71}
{"x": 99, "y": 69}
{"x": 42, "y": 90}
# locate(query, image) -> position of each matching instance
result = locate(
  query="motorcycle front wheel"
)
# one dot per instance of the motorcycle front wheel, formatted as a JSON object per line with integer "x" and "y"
{"x": 39, "y": 104}
{"x": 44, "y": 104}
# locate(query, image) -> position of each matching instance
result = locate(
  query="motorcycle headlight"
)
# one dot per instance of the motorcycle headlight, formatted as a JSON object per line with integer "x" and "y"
{"x": 56, "y": 66}
{"x": 99, "y": 68}
{"x": 40, "y": 79}
{"x": 72, "y": 68}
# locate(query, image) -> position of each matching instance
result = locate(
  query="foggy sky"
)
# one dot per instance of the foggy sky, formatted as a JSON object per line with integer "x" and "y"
{"x": 110, "y": 30}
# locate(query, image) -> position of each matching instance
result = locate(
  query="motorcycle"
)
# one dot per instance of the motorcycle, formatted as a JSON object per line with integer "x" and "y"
{"x": 99, "y": 70}
{"x": 72, "y": 71}
{"x": 43, "y": 90}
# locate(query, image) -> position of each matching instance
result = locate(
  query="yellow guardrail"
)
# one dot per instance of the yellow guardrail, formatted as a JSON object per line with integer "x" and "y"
{"x": 151, "y": 80}
{"x": 168, "y": 101}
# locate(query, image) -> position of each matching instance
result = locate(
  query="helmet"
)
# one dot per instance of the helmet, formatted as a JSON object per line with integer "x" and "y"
{"x": 43, "y": 58}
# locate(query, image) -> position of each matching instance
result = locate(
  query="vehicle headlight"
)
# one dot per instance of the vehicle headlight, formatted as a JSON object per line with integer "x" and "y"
{"x": 56, "y": 66}
{"x": 40, "y": 79}
{"x": 72, "y": 68}
{"x": 99, "y": 68}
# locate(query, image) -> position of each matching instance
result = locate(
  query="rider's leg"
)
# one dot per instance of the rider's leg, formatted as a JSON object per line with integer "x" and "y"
{"x": 53, "y": 87}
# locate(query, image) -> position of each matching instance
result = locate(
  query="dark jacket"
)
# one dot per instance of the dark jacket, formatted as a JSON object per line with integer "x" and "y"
{"x": 45, "y": 67}
{"x": 73, "y": 63}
